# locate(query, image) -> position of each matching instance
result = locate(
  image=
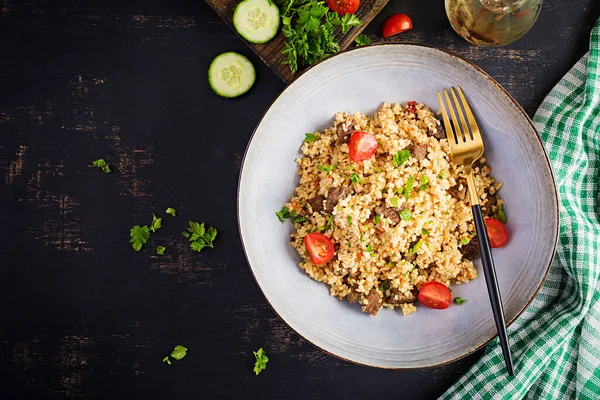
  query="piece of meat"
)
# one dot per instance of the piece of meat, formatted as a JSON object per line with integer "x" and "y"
{"x": 353, "y": 296}
{"x": 411, "y": 107}
{"x": 334, "y": 195}
{"x": 397, "y": 297}
{"x": 438, "y": 131}
{"x": 459, "y": 191}
{"x": 418, "y": 151}
{"x": 344, "y": 131}
{"x": 471, "y": 250}
{"x": 490, "y": 201}
{"x": 375, "y": 302}
{"x": 388, "y": 212}
{"x": 477, "y": 164}
{"x": 316, "y": 203}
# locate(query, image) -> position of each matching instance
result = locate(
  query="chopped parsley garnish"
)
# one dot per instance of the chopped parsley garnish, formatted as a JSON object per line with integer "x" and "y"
{"x": 391, "y": 264}
{"x": 501, "y": 215}
{"x": 415, "y": 248}
{"x": 299, "y": 219}
{"x": 377, "y": 170}
{"x": 362, "y": 40}
{"x": 370, "y": 248}
{"x": 460, "y": 301}
{"x": 424, "y": 181}
{"x": 408, "y": 187}
{"x": 139, "y": 236}
{"x": 349, "y": 244}
{"x": 465, "y": 240}
{"x": 328, "y": 225}
{"x": 446, "y": 212}
{"x": 384, "y": 286}
{"x": 361, "y": 238}
{"x": 199, "y": 236}
{"x": 284, "y": 214}
{"x": 171, "y": 211}
{"x": 178, "y": 353}
{"x": 400, "y": 158}
{"x": 394, "y": 201}
{"x": 156, "y": 223}
{"x": 442, "y": 175}
{"x": 101, "y": 165}
{"x": 160, "y": 250}
{"x": 355, "y": 178}
{"x": 377, "y": 219}
{"x": 349, "y": 219}
{"x": 261, "y": 360}
{"x": 405, "y": 215}
{"x": 424, "y": 231}
{"x": 326, "y": 169}
{"x": 310, "y": 137}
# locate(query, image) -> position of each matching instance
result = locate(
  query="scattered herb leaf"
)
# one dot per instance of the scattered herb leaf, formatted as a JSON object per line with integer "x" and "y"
{"x": 370, "y": 248}
{"x": 179, "y": 352}
{"x": 405, "y": 215}
{"x": 424, "y": 181}
{"x": 156, "y": 223}
{"x": 160, "y": 250}
{"x": 171, "y": 211}
{"x": 460, "y": 301}
{"x": 166, "y": 359}
{"x": 362, "y": 40}
{"x": 355, "y": 178}
{"x": 377, "y": 170}
{"x": 424, "y": 231}
{"x": 199, "y": 236}
{"x": 384, "y": 286}
{"x": 139, "y": 236}
{"x": 101, "y": 165}
{"x": 326, "y": 169}
{"x": 408, "y": 187}
{"x": 284, "y": 214}
{"x": 261, "y": 361}
{"x": 394, "y": 201}
{"x": 377, "y": 220}
{"x": 299, "y": 219}
{"x": 501, "y": 215}
{"x": 310, "y": 137}
{"x": 465, "y": 241}
{"x": 400, "y": 158}
{"x": 349, "y": 219}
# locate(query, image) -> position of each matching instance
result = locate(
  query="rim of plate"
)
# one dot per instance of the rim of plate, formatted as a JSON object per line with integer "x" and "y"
{"x": 501, "y": 90}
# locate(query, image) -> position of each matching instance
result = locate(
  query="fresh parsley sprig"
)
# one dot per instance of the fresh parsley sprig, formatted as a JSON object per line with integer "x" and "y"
{"x": 199, "y": 236}
{"x": 362, "y": 40}
{"x": 139, "y": 236}
{"x": 178, "y": 353}
{"x": 261, "y": 360}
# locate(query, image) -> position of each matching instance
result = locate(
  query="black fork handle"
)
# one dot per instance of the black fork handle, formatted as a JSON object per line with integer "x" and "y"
{"x": 492, "y": 286}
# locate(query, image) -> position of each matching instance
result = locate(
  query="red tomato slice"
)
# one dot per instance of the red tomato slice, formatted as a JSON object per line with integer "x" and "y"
{"x": 362, "y": 146}
{"x": 435, "y": 295}
{"x": 395, "y": 24}
{"x": 343, "y": 7}
{"x": 497, "y": 232}
{"x": 319, "y": 247}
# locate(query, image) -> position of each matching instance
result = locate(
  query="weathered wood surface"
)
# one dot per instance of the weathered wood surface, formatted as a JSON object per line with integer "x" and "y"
{"x": 270, "y": 53}
{"x": 84, "y": 316}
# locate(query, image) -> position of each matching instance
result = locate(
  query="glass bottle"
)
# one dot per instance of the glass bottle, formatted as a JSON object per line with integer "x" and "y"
{"x": 492, "y": 22}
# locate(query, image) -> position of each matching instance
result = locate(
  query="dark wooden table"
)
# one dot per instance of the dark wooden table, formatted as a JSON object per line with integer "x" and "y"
{"x": 81, "y": 313}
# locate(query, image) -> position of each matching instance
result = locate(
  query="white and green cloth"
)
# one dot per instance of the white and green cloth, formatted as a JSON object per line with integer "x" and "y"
{"x": 556, "y": 342}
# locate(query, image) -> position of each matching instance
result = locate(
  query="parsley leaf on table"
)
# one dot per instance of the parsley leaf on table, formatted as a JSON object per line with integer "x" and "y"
{"x": 171, "y": 211}
{"x": 178, "y": 353}
{"x": 160, "y": 250}
{"x": 362, "y": 40}
{"x": 199, "y": 236}
{"x": 460, "y": 301}
{"x": 139, "y": 236}
{"x": 156, "y": 223}
{"x": 261, "y": 360}
{"x": 102, "y": 165}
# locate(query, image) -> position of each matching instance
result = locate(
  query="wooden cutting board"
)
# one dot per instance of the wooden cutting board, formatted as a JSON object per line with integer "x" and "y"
{"x": 270, "y": 52}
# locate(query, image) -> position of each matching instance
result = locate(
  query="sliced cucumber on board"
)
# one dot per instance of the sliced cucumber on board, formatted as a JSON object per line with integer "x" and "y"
{"x": 231, "y": 75}
{"x": 257, "y": 21}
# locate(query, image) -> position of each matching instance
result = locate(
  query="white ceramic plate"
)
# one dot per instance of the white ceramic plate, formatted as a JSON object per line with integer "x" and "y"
{"x": 360, "y": 80}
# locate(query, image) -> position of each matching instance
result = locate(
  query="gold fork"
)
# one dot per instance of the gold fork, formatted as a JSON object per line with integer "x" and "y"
{"x": 466, "y": 146}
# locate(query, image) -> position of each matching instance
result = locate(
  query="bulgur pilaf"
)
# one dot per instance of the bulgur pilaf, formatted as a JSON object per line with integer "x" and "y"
{"x": 398, "y": 219}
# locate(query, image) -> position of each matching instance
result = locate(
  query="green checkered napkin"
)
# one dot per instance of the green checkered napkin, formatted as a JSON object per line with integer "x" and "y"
{"x": 556, "y": 342}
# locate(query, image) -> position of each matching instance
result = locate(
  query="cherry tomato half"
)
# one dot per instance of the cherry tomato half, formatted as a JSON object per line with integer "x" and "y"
{"x": 319, "y": 247}
{"x": 362, "y": 146}
{"x": 343, "y": 7}
{"x": 395, "y": 24}
{"x": 497, "y": 232}
{"x": 435, "y": 295}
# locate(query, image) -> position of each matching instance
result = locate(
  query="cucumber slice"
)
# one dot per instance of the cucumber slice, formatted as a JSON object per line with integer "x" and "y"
{"x": 257, "y": 21}
{"x": 231, "y": 74}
